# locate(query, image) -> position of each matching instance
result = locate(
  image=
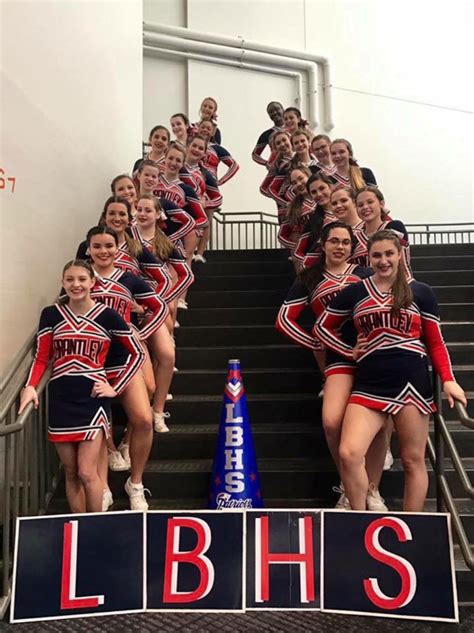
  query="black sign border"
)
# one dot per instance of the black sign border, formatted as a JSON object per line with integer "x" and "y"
{"x": 13, "y": 620}
{"x": 447, "y": 517}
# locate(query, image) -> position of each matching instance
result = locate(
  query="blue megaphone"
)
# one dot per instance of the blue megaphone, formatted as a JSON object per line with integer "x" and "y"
{"x": 235, "y": 482}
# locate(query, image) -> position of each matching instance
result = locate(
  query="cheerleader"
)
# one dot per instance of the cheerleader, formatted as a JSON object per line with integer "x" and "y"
{"x": 301, "y": 144}
{"x": 216, "y": 154}
{"x": 147, "y": 176}
{"x": 122, "y": 186}
{"x": 298, "y": 211}
{"x": 374, "y": 217}
{"x": 370, "y": 205}
{"x": 317, "y": 286}
{"x": 343, "y": 207}
{"x": 208, "y": 112}
{"x": 307, "y": 250}
{"x": 399, "y": 327}
{"x": 159, "y": 140}
{"x": 183, "y": 196}
{"x": 293, "y": 120}
{"x": 201, "y": 179}
{"x": 113, "y": 285}
{"x": 127, "y": 294}
{"x": 273, "y": 183}
{"x": 180, "y": 126}
{"x": 130, "y": 257}
{"x": 321, "y": 149}
{"x": 75, "y": 334}
{"x": 347, "y": 171}
{"x": 148, "y": 232}
{"x": 275, "y": 112}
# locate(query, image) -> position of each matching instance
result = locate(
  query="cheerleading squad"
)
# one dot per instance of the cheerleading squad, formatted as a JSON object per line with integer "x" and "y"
{"x": 375, "y": 326}
{"x": 110, "y": 334}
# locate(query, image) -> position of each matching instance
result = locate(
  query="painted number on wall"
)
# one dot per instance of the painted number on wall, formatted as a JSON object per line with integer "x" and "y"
{"x": 7, "y": 183}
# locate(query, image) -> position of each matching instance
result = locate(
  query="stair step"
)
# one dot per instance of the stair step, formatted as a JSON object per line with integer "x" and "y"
{"x": 282, "y": 266}
{"x": 307, "y": 477}
{"x": 291, "y": 355}
{"x": 277, "y": 280}
{"x": 273, "y": 380}
{"x": 277, "y": 407}
{"x": 268, "y": 298}
{"x": 267, "y": 315}
{"x": 243, "y": 335}
{"x": 254, "y": 356}
{"x": 263, "y": 407}
{"x": 290, "y": 439}
{"x": 417, "y": 250}
{"x": 198, "y": 441}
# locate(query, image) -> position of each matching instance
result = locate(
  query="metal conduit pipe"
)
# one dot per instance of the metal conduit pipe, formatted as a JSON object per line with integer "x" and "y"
{"x": 165, "y": 52}
{"x": 156, "y": 39}
{"x": 319, "y": 60}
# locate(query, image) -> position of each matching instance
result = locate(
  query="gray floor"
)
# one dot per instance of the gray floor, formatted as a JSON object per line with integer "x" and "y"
{"x": 287, "y": 622}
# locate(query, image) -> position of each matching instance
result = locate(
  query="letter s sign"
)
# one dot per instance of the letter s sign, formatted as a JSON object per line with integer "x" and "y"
{"x": 403, "y": 568}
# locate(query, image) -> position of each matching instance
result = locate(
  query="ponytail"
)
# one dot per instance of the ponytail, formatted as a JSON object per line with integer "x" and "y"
{"x": 313, "y": 276}
{"x": 355, "y": 175}
{"x": 134, "y": 247}
{"x": 161, "y": 246}
{"x": 401, "y": 291}
{"x": 294, "y": 209}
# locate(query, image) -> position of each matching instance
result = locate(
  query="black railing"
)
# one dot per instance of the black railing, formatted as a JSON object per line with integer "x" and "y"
{"x": 443, "y": 442}
{"x": 256, "y": 230}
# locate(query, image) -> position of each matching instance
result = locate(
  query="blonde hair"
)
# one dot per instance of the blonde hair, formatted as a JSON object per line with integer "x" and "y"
{"x": 355, "y": 173}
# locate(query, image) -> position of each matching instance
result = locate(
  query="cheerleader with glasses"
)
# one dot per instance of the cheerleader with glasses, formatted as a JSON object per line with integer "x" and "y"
{"x": 399, "y": 329}
{"x": 316, "y": 287}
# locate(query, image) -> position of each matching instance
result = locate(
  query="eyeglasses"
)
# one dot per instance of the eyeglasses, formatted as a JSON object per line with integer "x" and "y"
{"x": 336, "y": 241}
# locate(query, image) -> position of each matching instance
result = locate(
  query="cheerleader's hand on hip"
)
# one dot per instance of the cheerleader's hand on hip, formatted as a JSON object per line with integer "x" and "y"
{"x": 28, "y": 395}
{"x": 103, "y": 390}
{"x": 136, "y": 307}
{"x": 453, "y": 391}
{"x": 359, "y": 346}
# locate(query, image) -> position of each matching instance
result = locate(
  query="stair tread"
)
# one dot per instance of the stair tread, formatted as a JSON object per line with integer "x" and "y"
{"x": 268, "y": 464}
{"x": 257, "y": 370}
{"x": 261, "y": 427}
{"x": 252, "y": 326}
{"x": 291, "y": 273}
{"x": 250, "y": 397}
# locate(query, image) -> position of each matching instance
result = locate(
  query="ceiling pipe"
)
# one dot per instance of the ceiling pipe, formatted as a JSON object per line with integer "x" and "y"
{"x": 164, "y": 52}
{"x": 155, "y": 39}
{"x": 320, "y": 61}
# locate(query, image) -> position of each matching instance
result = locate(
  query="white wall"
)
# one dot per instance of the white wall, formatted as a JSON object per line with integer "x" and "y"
{"x": 71, "y": 120}
{"x": 421, "y": 155}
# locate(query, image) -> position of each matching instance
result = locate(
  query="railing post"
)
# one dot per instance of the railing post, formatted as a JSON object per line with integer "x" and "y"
{"x": 438, "y": 442}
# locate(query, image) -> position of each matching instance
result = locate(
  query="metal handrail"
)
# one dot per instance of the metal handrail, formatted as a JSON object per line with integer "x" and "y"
{"x": 28, "y": 464}
{"x": 436, "y": 454}
{"x": 463, "y": 416}
{"x": 20, "y": 357}
{"x": 259, "y": 229}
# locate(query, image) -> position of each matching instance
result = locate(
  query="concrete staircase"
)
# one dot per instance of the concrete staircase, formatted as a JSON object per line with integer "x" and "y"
{"x": 233, "y": 305}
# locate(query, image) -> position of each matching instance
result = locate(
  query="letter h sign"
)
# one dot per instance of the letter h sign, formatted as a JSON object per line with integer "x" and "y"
{"x": 283, "y": 560}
